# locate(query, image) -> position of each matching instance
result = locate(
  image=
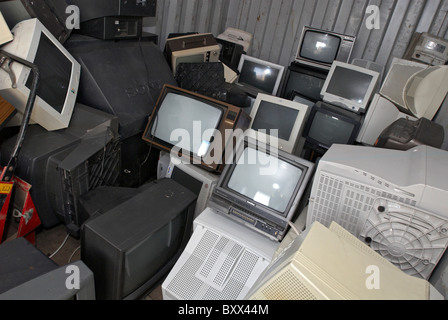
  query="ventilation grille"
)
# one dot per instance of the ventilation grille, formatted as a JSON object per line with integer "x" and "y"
{"x": 286, "y": 287}
{"x": 217, "y": 269}
{"x": 346, "y": 202}
{"x": 411, "y": 239}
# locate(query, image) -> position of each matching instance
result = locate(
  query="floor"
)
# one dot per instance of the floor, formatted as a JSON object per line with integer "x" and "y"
{"x": 63, "y": 249}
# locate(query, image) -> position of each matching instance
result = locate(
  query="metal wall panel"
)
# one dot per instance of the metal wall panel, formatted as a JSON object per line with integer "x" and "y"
{"x": 277, "y": 24}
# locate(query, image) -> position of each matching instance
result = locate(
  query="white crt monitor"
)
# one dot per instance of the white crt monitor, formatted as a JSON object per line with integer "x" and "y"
{"x": 273, "y": 113}
{"x": 263, "y": 75}
{"x": 59, "y": 76}
{"x": 331, "y": 264}
{"x": 198, "y": 180}
{"x": 350, "y": 87}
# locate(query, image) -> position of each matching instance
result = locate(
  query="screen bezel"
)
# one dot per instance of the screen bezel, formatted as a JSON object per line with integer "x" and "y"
{"x": 351, "y": 118}
{"x": 290, "y": 145}
{"x": 343, "y": 102}
{"x": 238, "y": 200}
{"x": 28, "y": 34}
{"x": 278, "y": 67}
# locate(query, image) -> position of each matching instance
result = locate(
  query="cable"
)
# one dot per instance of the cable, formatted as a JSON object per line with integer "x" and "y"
{"x": 294, "y": 228}
{"x": 73, "y": 253}
{"x": 60, "y": 247}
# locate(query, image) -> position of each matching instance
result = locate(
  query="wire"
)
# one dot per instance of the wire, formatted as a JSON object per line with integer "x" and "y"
{"x": 293, "y": 227}
{"x": 60, "y": 247}
{"x": 73, "y": 253}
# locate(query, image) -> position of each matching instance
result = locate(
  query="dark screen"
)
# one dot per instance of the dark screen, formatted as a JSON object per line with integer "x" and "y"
{"x": 55, "y": 72}
{"x": 271, "y": 116}
{"x": 259, "y": 76}
{"x": 328, "y": 129}
{"x": 304, "y": 84}
{"x": 320, "y": 47}
{"x": 349, "y": 84}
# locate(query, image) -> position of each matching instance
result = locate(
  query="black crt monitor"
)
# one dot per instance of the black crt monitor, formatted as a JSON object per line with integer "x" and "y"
{"x": 328, "y": 125}
{"x": 304, "y": 81}
{"x": 263, "y": 188}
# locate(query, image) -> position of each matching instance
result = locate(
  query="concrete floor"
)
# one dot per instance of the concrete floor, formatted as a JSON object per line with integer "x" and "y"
{"x": 68, "y": 248}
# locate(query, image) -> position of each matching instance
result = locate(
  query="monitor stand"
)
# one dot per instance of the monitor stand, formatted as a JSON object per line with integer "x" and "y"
{"x": 222, "y": 261}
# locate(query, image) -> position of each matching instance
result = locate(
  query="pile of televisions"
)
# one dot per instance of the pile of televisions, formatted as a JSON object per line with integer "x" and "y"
{"x": 321, "y": 142}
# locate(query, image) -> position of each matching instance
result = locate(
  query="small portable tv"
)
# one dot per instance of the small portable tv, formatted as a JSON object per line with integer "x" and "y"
{"x": 320, "y": 47}
{"x": 196, "y": 179}
{"x": 427, "y": 48}
{"x": 195, "y": 127}
{"x": 286, "y": 117}
{"x": 193, "y": 48}
{"x": 328, "y": 125}
{"x": 259, "y": 76}
{"x": 349, "y": 86}
{"x": 262, "y": 188}
{"x": 59, "y": 76}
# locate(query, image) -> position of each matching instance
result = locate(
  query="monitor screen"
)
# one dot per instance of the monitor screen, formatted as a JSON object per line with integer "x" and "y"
{"x": 349, "y": 84}
{"x": 306, "y": 84}
{"x": 320, "y": 47}
{"x": 180, "y": 117}
{"x": 273, "y": 190}
{"x": 329, "y": 129}
{"x": 55, "y": 71}
{"x": 271, "y": 116}
{"x": 260, "y": 74}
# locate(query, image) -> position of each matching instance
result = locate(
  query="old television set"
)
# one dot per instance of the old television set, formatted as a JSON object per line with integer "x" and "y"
{"x": 320, "y": 47}
{"x": 263, "y": 188}
{"x": 259, "y": 76}
{"x": 196, "y": 179}
{"x": 192, "y": 48}
{"x": 63, "y": 165}
{"x": 59, "y": 76}
{"x": 328, "y": 125}
{"x": 369, "y": 192}
{"x": 304, "y": 83}
{"x": 195, "y": 127}
{"x": 139, "y": 240}
{"x": 350, "y": 87}
{"x": 331, "y": 264}
{"x": 286, "y": 117}
{"x": 427, "y": 48}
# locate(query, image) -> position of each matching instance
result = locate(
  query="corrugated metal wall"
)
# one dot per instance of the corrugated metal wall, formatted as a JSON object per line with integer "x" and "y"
{"x": 277, "y": 24}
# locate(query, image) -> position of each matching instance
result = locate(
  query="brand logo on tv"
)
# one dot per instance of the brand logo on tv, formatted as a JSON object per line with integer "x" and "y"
{"x": 143, "y": 89}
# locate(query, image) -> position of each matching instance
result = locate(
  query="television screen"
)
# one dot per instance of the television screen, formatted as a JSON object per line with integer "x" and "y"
{"x": 180, "y": 112}
{"x": 319, "y": 46}
{"x": 275, "y": 190}
{"x": 349, "y": 84}
{"x": 306, "y": 84}
{"x": 259, "y": 76}
{"x": 271, "y": 116}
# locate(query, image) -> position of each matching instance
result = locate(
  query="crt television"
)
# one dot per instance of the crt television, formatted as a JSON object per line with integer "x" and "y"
{"x": 328, "y": 125}
{"x": 262, "y": 188}
{"x": 62, "y": 165}
{"x": 195, "y": 127}
{"x": 320, "y": 47}
{"x": 391, "y": 199}
{"x": 428, "y": 48}
{"x": 278, "y": 122}
{"x": 259, "y": 75}
{"x": 350, "y": 87}
{"x": 194, "y": 48}
{"x": 330, "y": 264}
{"x": 59, "y": 76}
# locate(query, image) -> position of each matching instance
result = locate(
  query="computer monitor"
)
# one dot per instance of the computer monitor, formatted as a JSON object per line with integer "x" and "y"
{"x": 65, "y": 164}
{"x": 278, "y": 122}
{"x": 320, "y": 47}
{"x": 59, "y": 76}
{"x": 304, "y": 81}
{"x": 391, "y": 199}
{"x": 196, "y": 179}
{"x": 425, "y": 91}
{"x": 195, "y": 127}
{"x": 260, "y": 75}
{"x": 263, "y": 188}
{"x": 331, "y": 264}
{"x": 132, "y": 247}
{"x": 349, "y": 86}
{"x": 193, "y": 48}
{"x": 328, "y": 125}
